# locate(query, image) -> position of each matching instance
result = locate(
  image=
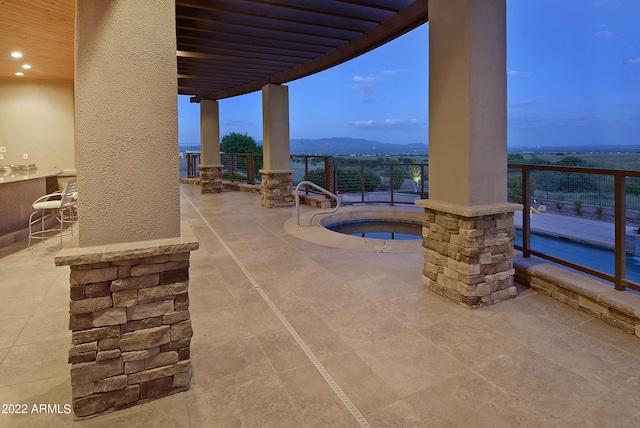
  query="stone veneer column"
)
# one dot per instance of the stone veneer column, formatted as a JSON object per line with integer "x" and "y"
{"x": 468, "y": 253}
{"x": 211, "y": 168}
{"x": 211, "y": 179}
{"x": 129, "y": 314}
{"x": 276, "y": 188}
{"x": 277, "y": 179}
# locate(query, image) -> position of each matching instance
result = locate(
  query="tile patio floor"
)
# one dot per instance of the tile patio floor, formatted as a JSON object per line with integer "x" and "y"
{"x": 403, "y": 356}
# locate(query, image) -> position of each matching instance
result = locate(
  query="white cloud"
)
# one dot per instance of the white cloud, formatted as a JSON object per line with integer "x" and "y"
{"x": 518, "y": 73}
{"x": 366, "y": 86}
{"x": 605, "y": 34}
{"x": 363, "y": 123}
{"x": 386, "y": 122}
{"x": 388, "y": 72}
{"x": 633, "y": 61}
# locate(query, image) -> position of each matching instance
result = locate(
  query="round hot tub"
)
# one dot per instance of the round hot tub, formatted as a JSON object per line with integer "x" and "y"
{"x": 394, "y": 229}
{"x": 391, "y": 223}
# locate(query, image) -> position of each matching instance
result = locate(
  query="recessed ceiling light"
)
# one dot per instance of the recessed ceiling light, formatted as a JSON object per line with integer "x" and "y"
{"x": 27, "y": 66}
{"x": 19, "y": 73}
{"x": 16, "y": 54}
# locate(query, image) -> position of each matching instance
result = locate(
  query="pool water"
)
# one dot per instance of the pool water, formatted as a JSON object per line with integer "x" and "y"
{"x": 593, "y": 256}
{"x": 379, "y": 229}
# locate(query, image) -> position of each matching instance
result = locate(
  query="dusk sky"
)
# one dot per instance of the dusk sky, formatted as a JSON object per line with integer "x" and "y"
{"x": 573, "y": 69}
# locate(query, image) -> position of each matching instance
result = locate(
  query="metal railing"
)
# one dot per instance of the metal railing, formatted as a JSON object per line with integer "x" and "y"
{"x": 602, "y": 205}
{"x": 321, "y": 190}
{"x": 603, "y": 195}
{"x": 392, "y": 183}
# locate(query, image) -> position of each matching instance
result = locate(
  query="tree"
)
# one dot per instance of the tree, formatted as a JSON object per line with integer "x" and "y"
{"x": 573, "y": 161}
{"x": 239, "y": 143}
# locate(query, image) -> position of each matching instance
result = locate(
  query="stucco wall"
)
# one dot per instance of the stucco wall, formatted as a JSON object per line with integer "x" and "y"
{"x": 36, "y": 117}
{"x": 127, "y": 121}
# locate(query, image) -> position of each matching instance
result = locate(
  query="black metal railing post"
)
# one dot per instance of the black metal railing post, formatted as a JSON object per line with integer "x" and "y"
{"x": 362, "y": 182}
{"x": 251, "y": 169}
{"x": 392, "y": 183}
{"x": 620, "y": 212}
{"x": 526, "y": 213}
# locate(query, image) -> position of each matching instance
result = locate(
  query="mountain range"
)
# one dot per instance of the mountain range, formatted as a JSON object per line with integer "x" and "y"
{"x": 348, "y": 145}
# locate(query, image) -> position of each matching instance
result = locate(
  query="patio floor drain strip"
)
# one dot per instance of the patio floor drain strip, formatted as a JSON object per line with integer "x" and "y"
{"x": 312, "y": 357}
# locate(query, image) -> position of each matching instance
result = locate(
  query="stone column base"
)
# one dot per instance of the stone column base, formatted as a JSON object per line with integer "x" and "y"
{"x": 130, "y": 322}
{"x": 211, "y": 179}
{"x": 468, "y": 251}
{"x": 277, "y": 188}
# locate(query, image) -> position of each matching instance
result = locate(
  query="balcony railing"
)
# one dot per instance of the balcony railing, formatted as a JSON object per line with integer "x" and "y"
{"x": 583, "y": 218}
{"x": 586, "y": 219}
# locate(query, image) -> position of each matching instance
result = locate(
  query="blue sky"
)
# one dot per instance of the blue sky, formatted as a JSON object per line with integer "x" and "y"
{"x": 573, "y": 73}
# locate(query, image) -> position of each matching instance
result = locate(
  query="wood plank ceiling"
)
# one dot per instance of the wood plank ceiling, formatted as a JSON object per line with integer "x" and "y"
{"x": 231, "y": 47}
{"x": 43, "y": 31}
{"x": 224, "y": 47}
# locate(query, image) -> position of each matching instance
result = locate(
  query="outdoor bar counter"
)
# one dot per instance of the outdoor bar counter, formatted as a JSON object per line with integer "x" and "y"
{"x": 19, "y": 188}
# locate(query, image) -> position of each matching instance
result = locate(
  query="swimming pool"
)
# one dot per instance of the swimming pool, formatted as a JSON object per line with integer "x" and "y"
{"x": 594, "y": 256}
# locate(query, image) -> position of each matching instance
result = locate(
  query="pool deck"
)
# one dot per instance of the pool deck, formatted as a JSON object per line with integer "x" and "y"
{"x": 273, "y": 315}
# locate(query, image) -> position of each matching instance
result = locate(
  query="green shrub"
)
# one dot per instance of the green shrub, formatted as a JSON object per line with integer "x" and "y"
{"x": 599, "y": 212}
{"x": 577, "y": 206}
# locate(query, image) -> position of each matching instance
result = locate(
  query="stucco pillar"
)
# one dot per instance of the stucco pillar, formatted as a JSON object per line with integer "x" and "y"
{"x": 129, "y": 281}
{"x": 211, "y": 166}
{"x": 468, "y": 225}
{"x": 277, "y": 181}
{"x": 126, "y": 121}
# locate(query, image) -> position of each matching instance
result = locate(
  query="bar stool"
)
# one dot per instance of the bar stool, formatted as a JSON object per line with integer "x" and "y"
{"x": 58, "y": 204}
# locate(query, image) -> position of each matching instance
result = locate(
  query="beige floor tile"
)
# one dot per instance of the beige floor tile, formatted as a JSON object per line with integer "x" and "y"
{"x": 608, "y": 410}
{"x": 218, "y": 326}
{"x": 56, "y": 300}
{"x": 398, "y": 414}
{"x": 323, "y": 341}
{"x": 364, "y": 325}
{"x": 19, "y": 307}
{"x": 317, "y": 403}
{"x": 421, "y": 308}
{"x": 613, "y": 336}
{"x": 522, "y": 327}
{"x": 543, "y": 306}
{"x": 468, "y": 340}
{"x": 543, "y": 385}
{"x": 282, "y": 350}
{"x": 228, "y": 363}
{"x": 55, "y": 392}
{"x": 259, "y": 317}
{"x": 468, "y": 400}
{"x": 326, "y": 297}
{"x": 24, "y": 288}
{"x": 36, "y": 361}
{"x": 10, "y": 330}
{"x": 257, "y": 402}
{"x": 409, "y": 362}
{"x": 598, "y": 361}
{"x": 361, "y": 384}
{"x": 384, "y": 287}
{"x": 203, "y": 298}
{"x": 45, "y": 327}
